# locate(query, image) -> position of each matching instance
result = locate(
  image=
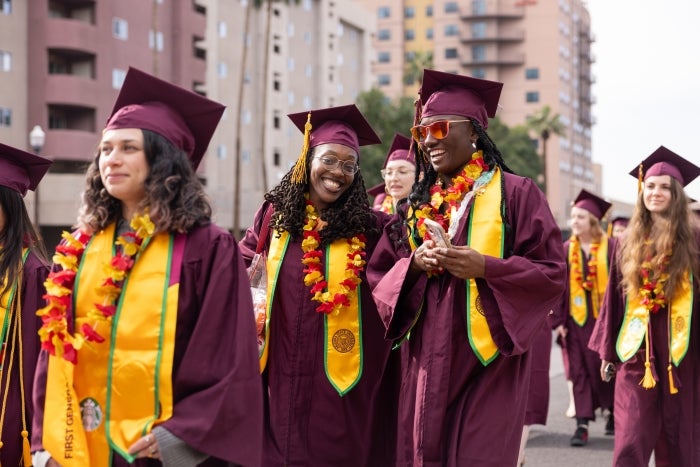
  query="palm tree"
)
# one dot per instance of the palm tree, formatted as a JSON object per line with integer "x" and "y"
{"x": 413, "y": 72}
{"x": 545, "y": 124}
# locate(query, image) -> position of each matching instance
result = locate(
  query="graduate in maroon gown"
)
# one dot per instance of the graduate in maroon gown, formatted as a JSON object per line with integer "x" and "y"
{"x": 330, "y": 378}
{"x": 149, "y": 355}
{"x": 23, "y": 269}
{"x": 588, "y": 254}
{"x": 465, "y": 314}
{"x": 398, "y": 173}
{"x": 648, "y": 325}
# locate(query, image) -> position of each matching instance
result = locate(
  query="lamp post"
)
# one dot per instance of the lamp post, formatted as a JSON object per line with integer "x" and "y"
{"x": 37, "y": 138}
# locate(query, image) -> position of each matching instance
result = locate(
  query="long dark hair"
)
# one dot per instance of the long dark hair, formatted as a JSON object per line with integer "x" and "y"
{"x": 348, "y": 216}
{"x": 17, "y": 234}
{"x": 174, "y": 197}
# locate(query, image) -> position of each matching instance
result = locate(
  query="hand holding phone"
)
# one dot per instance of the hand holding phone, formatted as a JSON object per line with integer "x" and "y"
{"x": 437, "y": 233}
{"x": 609, "y": 372}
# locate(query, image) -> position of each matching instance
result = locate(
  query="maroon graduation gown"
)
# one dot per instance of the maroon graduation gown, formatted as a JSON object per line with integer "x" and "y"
{"x": 453, "y": 410}
{"x": 216, "y": 382}
{"x": 34, "y": 273}
{"x": 590, "y": 391}
{"x": 644, "y": 417}
{"x": 307, "y": 422}
{"x": 538, "y": 391}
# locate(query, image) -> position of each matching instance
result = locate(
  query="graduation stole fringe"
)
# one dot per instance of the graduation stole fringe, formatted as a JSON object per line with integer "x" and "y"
{"x": 578, "y": 305}
{"x": 14, "y": 342}
{"x": 343, "y": 354}
{"x": 635, "y": 329}
{"x": 120, "y": 389}
{"x": 299, "y": 172}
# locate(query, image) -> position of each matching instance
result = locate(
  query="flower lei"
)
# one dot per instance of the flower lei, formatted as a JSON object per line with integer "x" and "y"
{"x": 589, "y": 282}
{"x": 652, "y": 289}
{"x": 388, "y": 205}
{"x": 444, "y": 201}
{"x": 54, "y": 333}
{"x": 314, "y": 271}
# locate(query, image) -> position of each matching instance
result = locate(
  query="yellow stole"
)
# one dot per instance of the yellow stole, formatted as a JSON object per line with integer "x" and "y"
{"x": 122, "y": 387}
{"x": 486, "y": 235}
{"x": 578, "y": 306}
{"x": 343, "y": 332}
{"x": 5, "y": 300}
{"x": 636, "y": 321}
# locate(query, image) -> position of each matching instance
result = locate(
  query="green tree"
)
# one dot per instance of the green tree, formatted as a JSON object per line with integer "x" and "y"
{"x": 413, "y": 69}
{"x": 517, "y": 148}
{"x": 545, "y": 124}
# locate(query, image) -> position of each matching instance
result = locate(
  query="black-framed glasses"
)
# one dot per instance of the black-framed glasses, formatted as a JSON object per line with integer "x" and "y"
{"x": 438, "y": 129}
{"x": 332, "y": 163}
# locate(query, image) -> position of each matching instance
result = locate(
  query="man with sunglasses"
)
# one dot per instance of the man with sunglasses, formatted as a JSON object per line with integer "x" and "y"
{"x": 472, "y": 308}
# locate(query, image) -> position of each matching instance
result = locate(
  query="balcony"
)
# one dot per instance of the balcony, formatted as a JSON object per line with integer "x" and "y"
{"x": 493, "y": 36}
{"x": 71, "y": 34}
{"x": 66, "y": 144}
{"x": 495, "y": 59}
{"x": 492, "y": 9}
{"x": 71, "y": 90}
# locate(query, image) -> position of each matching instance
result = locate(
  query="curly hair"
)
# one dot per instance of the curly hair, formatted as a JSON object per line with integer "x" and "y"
{"x": 650, "y": 238}
{"x": 174, "y": 197}
{"x": 349, "y": 215}
{"x": 17, "y": 233}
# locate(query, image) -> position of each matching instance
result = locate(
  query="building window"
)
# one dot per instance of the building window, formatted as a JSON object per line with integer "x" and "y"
{"x": 155, "y": 40}
{"x": 478, "y": 7}
{"x": 221, "y": 152}
{"x": 308, "y": 4}
{"x": 478, "y": 53}
{"x": 222, "y": 70}
{"x": 451, "y": 30}
{"x": 384, "y": 80}
{"x": 532, "y": 96}
{"x": 308, "y": 71}
{"x": 118, "y": 78}
{"x": 409, "y": 55}
{"x": 6, "y": 7}
{"x": 384, "y": 12}
{"x": 409, "y": 12}
{"x": 222, "y": 29}
{"x": 5, "y": 61}
{"x": 276, "y": 120}
{"x": 429, "y": 11}
{"x": 479, "y": 30}
{"x": 307, "y": 37}
{"x": 290, "y": 64}
{"x": 120, "y": 28}
{"x": 384, "y": 34}
{"x": 532, "y": 73}
{"x": 384, "y": 57}
{"x": 409, "y": 34}
{"x": 5, "y": 117}
{"x": 451, "y": 53}
{"x": 429, "y": 33}
{"x": 451, "y": 7}
{"x": 479, "y": 73}
{"x": 276, "y": 81}
{"x": 276, "y": 157}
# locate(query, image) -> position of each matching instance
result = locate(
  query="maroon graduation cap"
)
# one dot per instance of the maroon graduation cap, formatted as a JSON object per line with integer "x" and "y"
{"x": 592, "y": 203}
{"x": 399, "y": 150}
{"x": 21, "y": 170}
{"x": 663, "y": 161}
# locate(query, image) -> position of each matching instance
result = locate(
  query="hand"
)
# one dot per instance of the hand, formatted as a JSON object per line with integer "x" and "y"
{"x": 424, "y": 257}
{"x": 561, "y": 331}
{"x": 52, "y": 463}
{"x": 146, "y": 446}
{"x": 461, "y": 261}
{"x": 603, "y": 374}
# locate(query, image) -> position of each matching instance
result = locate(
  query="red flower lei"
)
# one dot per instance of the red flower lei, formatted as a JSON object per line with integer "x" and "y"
{"x": 589, "y": 282}
{"x": 314, "y": 270}
{"x": 54, "y": 333}
{"x": 652, "y": 289}
{"x": 444, "y": 201}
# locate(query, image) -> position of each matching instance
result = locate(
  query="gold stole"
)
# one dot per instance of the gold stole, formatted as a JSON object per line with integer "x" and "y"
{"x": 578, "y": 306}
{"x": 343, "y": 332}
{"x": 636, "y": 321}
{"x": 121, "y": 387}
{"x": 486, "y": 235}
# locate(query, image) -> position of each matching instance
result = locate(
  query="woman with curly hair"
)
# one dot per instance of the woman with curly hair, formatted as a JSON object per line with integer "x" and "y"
{"x": 328, "y": 376}
{"x": 648, "y": 325}
{"x": 23, "y": 269}
{"x": 485, "y": 270}
{"x": 149, "y": 346}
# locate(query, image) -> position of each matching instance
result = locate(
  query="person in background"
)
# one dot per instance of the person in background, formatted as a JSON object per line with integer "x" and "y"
{"x": 473, "y": 292}
{"x": 398, "y": 173}
{"x": 330, "y": 380}
{"x": 618, "y": 226}
{"x": 647, "y": 327}
{"x": 23, "y": 269}
{"x": 148, "y": 337}
{"x": 588, "y": 253}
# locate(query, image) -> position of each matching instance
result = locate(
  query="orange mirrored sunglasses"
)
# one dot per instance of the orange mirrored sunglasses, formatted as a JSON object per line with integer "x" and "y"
{"x": 438, "y": 130}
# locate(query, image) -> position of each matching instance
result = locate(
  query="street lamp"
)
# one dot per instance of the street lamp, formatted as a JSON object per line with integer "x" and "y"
{"x": 37, "y": 138}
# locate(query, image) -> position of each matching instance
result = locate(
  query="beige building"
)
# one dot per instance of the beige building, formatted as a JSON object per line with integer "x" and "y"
{"x": 541, "y": 50}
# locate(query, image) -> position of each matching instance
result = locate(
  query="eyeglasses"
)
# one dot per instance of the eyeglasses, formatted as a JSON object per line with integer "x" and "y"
{"x": 332, "y": 163}
{"x": 398, "y": 173}
{"x": 438, "y": 130}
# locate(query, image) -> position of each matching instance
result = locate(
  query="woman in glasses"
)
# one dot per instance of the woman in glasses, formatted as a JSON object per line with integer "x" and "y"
{"x": 465, "y": 312}
{"x": 398, "y": 173}
{"x": 330, "y": 381}
{"x": 648, "y": 324}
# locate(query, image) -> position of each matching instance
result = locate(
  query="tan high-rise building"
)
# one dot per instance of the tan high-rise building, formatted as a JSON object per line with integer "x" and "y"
{"x": 540, "y": 50}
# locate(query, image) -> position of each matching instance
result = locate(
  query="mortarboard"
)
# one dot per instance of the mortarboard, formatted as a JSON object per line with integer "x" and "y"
{"x": 376, "y": 190}
{"x": 341, "y": 125}
{"x": 21, "y": 170}
{"x": 452, "y": 94}
{"x": 183, "y": 117}
{"x": 663, "y": 161}
{"x": 592, "y": 203}
{"x": 400, "y": 150}
{"x": 621, "y": 220}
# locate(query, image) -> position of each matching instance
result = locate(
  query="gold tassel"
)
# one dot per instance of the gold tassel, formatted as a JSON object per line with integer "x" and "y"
{"x": 26, "y": 450}
{"x": 640, "y": 179}
{"x": 648, "y": 380}
{"x": 299, "y": 172}
{"x": 671, "y": 386}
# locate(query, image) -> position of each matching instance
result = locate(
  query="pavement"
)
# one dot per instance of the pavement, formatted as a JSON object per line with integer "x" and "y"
{"x": 548, "y": 445}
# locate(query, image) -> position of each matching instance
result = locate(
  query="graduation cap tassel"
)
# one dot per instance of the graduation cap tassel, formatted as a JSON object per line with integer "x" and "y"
{"x": 647, "y": 381}
{"x": 299, "y": 172}
{"x": 671, "y": 385}
{"x": 640, "y": 179}
{"x": 26, "y": 450}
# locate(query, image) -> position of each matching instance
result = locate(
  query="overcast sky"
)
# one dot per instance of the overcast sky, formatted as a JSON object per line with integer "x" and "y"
{"x": 647, "y": 89}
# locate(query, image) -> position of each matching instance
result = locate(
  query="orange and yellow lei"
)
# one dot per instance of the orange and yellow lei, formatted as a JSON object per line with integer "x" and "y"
{"x": 54, "y": 333}
{"x": 589, "y": 282}
{"x": 651, "y": 293}
{"x": 314, "y": 277}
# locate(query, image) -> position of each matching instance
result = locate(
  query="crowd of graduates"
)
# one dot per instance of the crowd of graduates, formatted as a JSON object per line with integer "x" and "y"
{"x": 414, "y": 329}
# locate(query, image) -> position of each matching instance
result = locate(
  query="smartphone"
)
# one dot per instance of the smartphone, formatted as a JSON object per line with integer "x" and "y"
{"x": 609, "y": 372}
{"x": 437, "y": 233}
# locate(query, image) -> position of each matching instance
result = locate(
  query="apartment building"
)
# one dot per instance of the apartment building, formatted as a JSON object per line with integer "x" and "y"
{"x": 540, "y": 49}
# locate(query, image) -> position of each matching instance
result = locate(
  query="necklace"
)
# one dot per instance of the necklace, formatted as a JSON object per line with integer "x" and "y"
{"x": 315, "y": 278}
{"x": 652, "y": 289}
{"x": 54, "y": 333}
